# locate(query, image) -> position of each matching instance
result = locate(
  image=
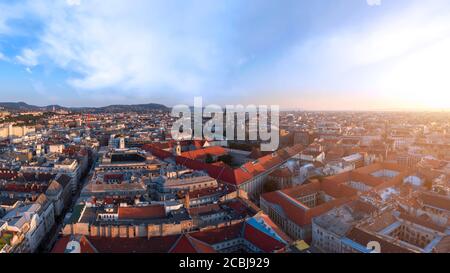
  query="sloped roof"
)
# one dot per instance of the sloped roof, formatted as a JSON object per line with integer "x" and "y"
{"x": 286, "y": 201}
{"x": 247, "y": 171}
{"x": 85, "y": 244}
{"x": 189, "y": 244}
{"x": 283, "y": 172}
{"x": 122, "y": 245}
{"x": 444, "y": 245}
{"x": 435, "y": 200}
{"x": 147, "y": 212}
{"x": 363, "y": 238}
{"x": 201, "y": 154}
{"x": 54, "y": 188}
{"x": 227, "y": 174}
{"x": 42, "y": 200}
{"x": 195, "y": 242}
{"x": 261, "y": 240}
{"x": 204, "y": 209}
{"x": 218, "y": 235}
{"x": 380, "y": 166}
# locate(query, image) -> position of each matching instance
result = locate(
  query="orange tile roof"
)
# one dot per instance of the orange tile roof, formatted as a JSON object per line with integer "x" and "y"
{"x": 218, "y": 235}
{"x": 364, "y": 237}
{"x": 435, "y": 200}
{"x": 204, "y": 209}
{"x": 196, "y": 242}
{"x": 261, "y": 240}
{"x": 86, "y": 246}
{"x": 284, "y": 172}
{"x": 201, "y": 154}
{"x": 122, "y": 245}
{"x": 247, "y": 171}
{"x": 380, "y": 166}
{"x": 189, "y": 244}
{"x": 148, "y": 212}
{"x": 298, "y": 212}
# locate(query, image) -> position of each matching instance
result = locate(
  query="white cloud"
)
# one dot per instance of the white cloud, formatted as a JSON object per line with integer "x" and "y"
{"x": 73, "y": 2}
{"x": 115, "y": 44}
{"x": 8, "y": 12}
{"x": 401, "y": 58}
{"x": 139, "y": 48}
{"x": 373, "y": 2}
{"x": 28, "y": 57}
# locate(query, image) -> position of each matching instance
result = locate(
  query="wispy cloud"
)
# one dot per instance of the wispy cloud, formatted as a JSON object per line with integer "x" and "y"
{"x": 9, "y": 11}
{"x": 115, "y": 44}
{"x": 28, "y": 57}
{"x": 169, "y": 50}
{"x": 400, "y": 58}
{"x": 373, "y": 2}
{"x": 73, "y": 2}
{"x": 3, "y": 57}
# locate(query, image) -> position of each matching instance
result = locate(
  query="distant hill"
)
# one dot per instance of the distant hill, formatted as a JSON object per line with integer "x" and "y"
{"x": 22, "y": 106}
{"x": 134, "y": 107}
{"x": 18, "y": 106}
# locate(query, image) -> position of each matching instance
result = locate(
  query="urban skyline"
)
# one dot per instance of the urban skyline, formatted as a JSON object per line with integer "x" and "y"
{"x": 224, "y": 127}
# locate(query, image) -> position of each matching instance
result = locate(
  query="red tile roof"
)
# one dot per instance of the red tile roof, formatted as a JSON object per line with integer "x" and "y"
{"x": 297, "y": 212}
{"x": 337, "y": 186}
{"x": 283, "y": 172}
{"x": 335, "y": 153}
{"x": 273, "y": 226}
{"x": 199, "y": 193}
{"x": 243, "y": 230}
{"x": 157, "y": 151}
{"x": 380, "y": 166}
{"x": 364, "y": 173}
{"x": 126, "y": 245}
{"x": 261, "y": 240}
{"x": 189, "y": 244}
{"x": 198, "y": 144}
{"x": 239, "y": 207}
{"x": 204, "y": 209}
{"x": 201, "y": 154}
{"x": 219, "y": 235}
{"x": 363, "y": 238}
{"x": 435, "y": 200}
{"x": 196, "y": 242}
{"x": 422, "y": 222}
{"x": 148, "y": 212}
{"x": 226, "y": 173}
{"x": 85, "y": 244}
{"x": 247, "y": 171}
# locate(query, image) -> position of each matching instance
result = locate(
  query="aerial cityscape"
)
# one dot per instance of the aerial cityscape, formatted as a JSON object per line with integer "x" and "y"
{"x": 300, "y": 127}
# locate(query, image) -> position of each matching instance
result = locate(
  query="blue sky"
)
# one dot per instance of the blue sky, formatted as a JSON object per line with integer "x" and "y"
{"x": 321, "y": 54}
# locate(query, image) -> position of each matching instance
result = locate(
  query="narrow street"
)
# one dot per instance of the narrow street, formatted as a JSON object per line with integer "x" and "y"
{"x": 50, "y": 240}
